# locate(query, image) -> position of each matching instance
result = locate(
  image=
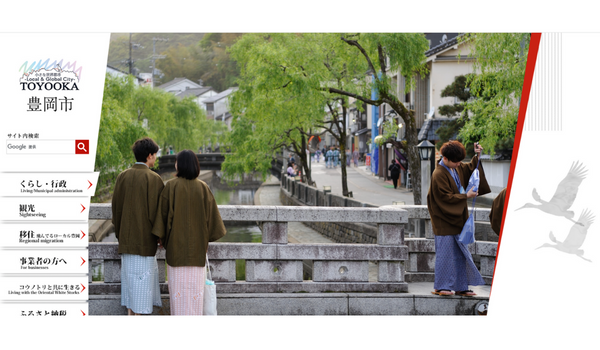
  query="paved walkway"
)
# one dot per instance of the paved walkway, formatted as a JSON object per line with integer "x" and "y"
{"x": 268, "y": 194}
{"x": 364, "y": 186}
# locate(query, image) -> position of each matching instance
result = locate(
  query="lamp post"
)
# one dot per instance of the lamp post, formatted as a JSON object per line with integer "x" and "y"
{"x": 425, "y": 151}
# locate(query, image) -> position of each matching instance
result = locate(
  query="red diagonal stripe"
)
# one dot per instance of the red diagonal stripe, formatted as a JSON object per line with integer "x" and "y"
{"x": 534, "y": 45}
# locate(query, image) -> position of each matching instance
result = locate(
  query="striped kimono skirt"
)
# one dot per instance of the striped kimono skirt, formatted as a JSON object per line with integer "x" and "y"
{"x": 186, "y": 289}
{"x": 139, "y": 283}
{"x": 454, "y": 266}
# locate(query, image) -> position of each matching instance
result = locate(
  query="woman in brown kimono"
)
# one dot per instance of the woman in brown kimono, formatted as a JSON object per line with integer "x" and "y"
{"x": 187, "y": 219}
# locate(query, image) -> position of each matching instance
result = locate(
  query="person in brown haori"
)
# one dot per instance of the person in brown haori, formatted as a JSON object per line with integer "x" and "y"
{"x": 134, "y": 207}
{"x": 187, "y": 220}
{"x": 447, "y": 205}
{"x": 497, "y": 212}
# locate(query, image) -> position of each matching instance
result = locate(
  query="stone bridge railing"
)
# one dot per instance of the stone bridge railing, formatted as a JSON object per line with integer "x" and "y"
{"x": 421, "y": 249}
{"x": 274, "y": 283}
{"x": 276, "y": 266}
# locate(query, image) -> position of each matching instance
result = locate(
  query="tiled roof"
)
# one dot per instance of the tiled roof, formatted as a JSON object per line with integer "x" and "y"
{"x": 174, "y": 81}
{"x": 442, "y": 46}
{"x": 430, "y": 126}
{"x": 221, "y": 95}
{"x": 194, "y": 92}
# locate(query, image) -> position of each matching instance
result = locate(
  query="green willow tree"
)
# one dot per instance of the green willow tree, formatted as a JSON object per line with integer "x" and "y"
{"x": 274, "y": 107}
{"x": 500, "y": 64}
{"x": 130, "y": 112}
{"x": 323, "y": 71}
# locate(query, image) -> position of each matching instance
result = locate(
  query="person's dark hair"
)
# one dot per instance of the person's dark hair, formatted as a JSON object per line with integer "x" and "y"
{"x": 454, "y": 151}
{"x": 188, "y": 166}
{"x": 142, "y": 148}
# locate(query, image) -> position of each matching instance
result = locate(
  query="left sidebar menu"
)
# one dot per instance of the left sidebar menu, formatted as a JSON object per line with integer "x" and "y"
{"x": 51, "y": 91}
{"x": 44, "y": 237}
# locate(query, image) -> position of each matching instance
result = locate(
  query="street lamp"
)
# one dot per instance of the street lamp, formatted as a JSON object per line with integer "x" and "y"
{"x": 425, "y": 149}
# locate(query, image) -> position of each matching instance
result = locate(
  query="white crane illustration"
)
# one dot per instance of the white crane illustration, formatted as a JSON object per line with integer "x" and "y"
{"x": 574, "y": 240}
{"x": 565, "y": 194}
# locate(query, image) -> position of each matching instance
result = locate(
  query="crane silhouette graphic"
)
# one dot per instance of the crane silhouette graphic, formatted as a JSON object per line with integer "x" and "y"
{"x": 565, "y": 194}
{"x": 575, "y": 238}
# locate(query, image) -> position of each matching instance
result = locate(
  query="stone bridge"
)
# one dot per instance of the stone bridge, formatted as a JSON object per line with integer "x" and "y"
{"x": 340, "y": 285}
{"x": 209, "y": 161}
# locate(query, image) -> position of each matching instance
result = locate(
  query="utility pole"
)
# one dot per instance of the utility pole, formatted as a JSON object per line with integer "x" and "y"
{"x": 131, "y": 46}
{"x": 130, "y": 60}
{"x": 155, "y": 56}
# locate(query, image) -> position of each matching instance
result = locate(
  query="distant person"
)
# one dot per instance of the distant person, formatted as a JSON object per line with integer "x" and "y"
{"x": 336, "y": 157}
{"x": 188, "y": 218}
{"x": 497, "y": 212}
{"x": 355, "y": 157}
{"x": 290, "y": 170}
{"x": 348, "y": 157}
{"x": 329, "y": 157}
{"x": 447, "y": 202}
{"x": 134, "y": 208}
{"x": 317, "y": 155}
{"x": 394, "y": 169}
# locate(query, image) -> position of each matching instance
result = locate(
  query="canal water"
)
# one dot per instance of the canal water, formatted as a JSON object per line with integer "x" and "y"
{"x": 240, "y": 192}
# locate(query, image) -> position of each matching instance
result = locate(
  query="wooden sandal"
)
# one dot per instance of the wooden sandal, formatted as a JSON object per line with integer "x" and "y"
{"x": 442, "y": 292}
{"x": 466, "y": 293}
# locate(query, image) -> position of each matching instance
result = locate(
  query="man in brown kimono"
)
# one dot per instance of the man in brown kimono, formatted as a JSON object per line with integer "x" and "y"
{"x": 134, "y": 208}
{"x": 448, "y": 202}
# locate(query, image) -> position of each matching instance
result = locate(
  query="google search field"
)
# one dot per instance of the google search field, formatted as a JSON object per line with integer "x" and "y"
{"x": 47, "y": 147}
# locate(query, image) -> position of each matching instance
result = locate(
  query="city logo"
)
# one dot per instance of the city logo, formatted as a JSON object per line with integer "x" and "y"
{"x": 53, "y": 78}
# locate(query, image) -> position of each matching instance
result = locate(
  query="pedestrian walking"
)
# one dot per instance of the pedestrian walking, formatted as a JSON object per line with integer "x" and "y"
{"x": 355, "y": 158}
{"x": 348, "y": 157}
{"x": 329, "y": 156}
{"x": 336, "y": 157}
{"x": 187, "y": 220}
{"x": 394, "y": 169}
{"x": 447, "y": 205}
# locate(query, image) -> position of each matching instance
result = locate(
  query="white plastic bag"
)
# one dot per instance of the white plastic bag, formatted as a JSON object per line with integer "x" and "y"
{"x": 210, "y": 294}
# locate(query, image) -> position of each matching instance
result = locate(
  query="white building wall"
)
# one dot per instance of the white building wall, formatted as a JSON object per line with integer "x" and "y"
{"x": 201, "y": 98}
{"x": 442, "y": 74}
{"x": 496, "y": 173}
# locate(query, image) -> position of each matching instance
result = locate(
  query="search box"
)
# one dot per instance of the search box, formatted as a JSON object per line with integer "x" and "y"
{"x": 47, "y": 147}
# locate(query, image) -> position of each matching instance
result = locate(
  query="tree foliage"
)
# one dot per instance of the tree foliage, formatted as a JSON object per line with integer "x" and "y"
{"x": 500, "y": 64}
{"x": 130, "y": 112}
{"x": 274, "y": 107}
{"x": 289, "y": 80}
{"x": 206, "y": 60}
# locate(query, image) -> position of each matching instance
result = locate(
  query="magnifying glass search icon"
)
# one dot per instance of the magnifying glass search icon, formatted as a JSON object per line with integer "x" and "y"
{"x": 81, "y": 146}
